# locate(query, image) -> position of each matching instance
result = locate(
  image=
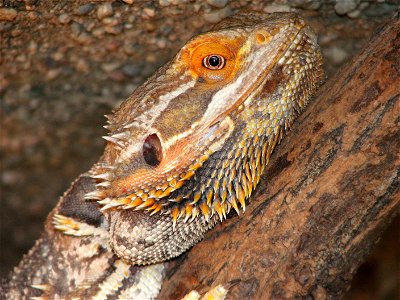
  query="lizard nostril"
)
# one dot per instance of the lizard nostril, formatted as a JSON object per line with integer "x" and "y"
{"x": 262, "y": 37}
{"x": 152, "y": 150}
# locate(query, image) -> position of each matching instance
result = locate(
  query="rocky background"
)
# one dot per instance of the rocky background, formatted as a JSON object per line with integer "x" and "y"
{"x": 64, "y": 64}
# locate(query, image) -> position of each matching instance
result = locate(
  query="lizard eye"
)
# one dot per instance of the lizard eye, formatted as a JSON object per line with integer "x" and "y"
{"x": 152, "y": 150}
{"x": 214, "y": 62}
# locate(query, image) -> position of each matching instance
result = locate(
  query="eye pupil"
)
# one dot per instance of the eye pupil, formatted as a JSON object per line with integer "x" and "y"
{"x": 152, "y": 150}
{"x": 214, "y": 62}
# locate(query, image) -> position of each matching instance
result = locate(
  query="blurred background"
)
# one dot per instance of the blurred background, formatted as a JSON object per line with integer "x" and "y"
{"x": 64, "y": 64}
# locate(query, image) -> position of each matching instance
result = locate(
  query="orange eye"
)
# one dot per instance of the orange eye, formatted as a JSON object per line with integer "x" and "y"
{"x": 214, "y": 62}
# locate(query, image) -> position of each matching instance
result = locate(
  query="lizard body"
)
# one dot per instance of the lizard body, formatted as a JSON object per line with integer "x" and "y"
{"x": 184, "y": 149}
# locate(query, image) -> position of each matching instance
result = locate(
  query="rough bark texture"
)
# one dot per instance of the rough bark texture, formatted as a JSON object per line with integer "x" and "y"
{"x": 330, "y": 190}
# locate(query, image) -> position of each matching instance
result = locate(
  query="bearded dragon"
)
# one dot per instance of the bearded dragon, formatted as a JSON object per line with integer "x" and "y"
{"x": 184, "y": 149}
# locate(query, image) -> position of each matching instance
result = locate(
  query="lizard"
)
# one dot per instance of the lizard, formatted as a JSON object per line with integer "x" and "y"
{"x": 187, "y": 147}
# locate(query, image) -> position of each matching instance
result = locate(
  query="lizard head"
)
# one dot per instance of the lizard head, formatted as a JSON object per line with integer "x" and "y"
{"x": 193, "y": 140}
{"x": 226, "y": 93}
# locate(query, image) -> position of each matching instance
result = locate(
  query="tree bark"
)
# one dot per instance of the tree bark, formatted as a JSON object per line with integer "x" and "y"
{"x": 330, "y": 190}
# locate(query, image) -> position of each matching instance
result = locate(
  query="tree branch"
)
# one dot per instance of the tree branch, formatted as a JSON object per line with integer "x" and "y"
{"x": 329, "y": 191}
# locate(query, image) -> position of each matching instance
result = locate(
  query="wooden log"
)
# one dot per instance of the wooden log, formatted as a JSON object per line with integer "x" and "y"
{"x": 330, "y": 190}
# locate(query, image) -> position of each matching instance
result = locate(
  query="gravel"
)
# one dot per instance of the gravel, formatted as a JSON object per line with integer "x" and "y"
{"x": 218, "y": 3}
{"x": 8, "y": 14}
{"x": 104, "y": 10}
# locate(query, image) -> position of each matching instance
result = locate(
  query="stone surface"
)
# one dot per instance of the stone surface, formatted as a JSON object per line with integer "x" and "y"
{"x": 306, "y": 4}
{"x": 7, "y": 14}
{"x": 85, "y": 9}
{"x": 104, "y": 10}
{"x": 218, "y": 3}
{"x": 344, "y": 7}
{"x": 217, "y": 15}
{"x": 64, "y": 18}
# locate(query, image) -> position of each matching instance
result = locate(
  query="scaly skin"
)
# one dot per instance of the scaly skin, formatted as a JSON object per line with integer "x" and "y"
{"x": 187, "y": 146}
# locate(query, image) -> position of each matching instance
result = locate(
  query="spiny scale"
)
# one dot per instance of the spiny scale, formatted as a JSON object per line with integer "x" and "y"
{"x": 183, "y": 207}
